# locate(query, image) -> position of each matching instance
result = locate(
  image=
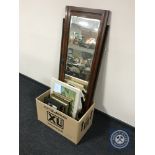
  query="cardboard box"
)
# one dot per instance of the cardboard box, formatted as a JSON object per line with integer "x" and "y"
{"x": 63, "y": 124}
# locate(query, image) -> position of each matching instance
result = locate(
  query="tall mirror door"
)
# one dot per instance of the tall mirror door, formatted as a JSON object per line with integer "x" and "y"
{"x": 83, "y": 35}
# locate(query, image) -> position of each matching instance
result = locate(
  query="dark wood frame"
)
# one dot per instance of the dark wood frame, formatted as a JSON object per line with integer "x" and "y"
{"x": 103, "y": 16}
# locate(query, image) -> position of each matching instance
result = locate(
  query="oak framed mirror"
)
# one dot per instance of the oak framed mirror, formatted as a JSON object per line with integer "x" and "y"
{"x": 83, "y": 42}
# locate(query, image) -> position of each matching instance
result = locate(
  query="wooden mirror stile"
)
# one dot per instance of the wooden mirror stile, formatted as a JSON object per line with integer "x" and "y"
{"x": 83, "y": 41}
{"x": 61, "y": 51}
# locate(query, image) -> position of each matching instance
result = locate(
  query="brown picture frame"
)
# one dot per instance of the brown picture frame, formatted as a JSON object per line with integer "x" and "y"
{"x": 104, "y": 17}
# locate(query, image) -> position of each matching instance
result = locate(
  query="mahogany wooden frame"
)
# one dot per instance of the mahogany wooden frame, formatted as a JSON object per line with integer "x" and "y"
{"x": 103, "y": 16}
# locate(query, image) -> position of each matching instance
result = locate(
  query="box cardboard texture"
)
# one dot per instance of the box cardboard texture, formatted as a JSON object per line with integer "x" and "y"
{"x": 63, "y": 124}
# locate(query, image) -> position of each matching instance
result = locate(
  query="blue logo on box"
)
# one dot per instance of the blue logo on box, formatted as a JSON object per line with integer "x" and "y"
{"x": 119, "y": 139}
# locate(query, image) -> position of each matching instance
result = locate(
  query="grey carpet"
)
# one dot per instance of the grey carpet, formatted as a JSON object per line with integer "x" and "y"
{"x": 38, "y": 139}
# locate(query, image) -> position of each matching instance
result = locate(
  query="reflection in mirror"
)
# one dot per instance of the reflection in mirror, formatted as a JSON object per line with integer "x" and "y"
{"x": 81, "y": 47}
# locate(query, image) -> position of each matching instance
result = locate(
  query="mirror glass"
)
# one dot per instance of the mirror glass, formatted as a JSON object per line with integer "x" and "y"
{"x": 81, "y": 47}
